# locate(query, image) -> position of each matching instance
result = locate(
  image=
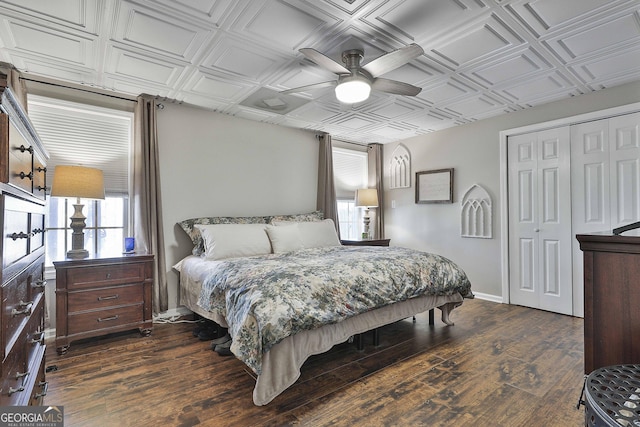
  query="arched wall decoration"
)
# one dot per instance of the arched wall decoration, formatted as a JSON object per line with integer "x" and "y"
{"x": 400, "y": 168}
{"x": 476, "y": 216}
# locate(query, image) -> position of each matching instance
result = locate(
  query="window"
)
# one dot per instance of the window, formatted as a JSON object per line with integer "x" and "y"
{"x": 350, "y": 174}
{"x": 81, "y": 134}
{"x": 349, "y": 219}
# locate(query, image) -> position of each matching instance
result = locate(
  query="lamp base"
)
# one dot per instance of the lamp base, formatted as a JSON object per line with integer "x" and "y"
{"x": 77, "y": 253}
{"x": 367, "y": 220}
{"x": 77, "y": 237}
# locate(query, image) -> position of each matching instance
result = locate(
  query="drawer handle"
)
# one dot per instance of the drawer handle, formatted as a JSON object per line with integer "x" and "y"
{"x": 108, "y": 275}
{"x": 41, "y": 169}
{"x": 106, "y": 319}
{"x": 22, "y": 149}
{"x": 36, "y": 231}
{"x": 21, "y": 375}
{"x": 15, "y": 390}
{"x": 116, "y": 296}
{"x": 45, "y": 389}
{"x": 39, "y": 340}
{"x": 20, "y": 235}
{"x": 26, "y": 311}
{"x": 40, "y": 283}
{"x": 26, "y": 175}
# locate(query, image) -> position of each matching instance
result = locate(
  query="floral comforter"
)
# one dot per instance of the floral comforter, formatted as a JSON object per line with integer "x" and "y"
{"x": 268, "y": 298}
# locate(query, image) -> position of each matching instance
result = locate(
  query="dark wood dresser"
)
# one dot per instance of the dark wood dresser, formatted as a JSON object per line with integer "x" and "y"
{"x": 22, "y": 194}
{"x": 611, "y": 299}
{"x": 102, "y": 294}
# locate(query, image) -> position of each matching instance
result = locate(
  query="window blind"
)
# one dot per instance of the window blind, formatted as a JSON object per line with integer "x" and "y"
{"x": 349, "y": 172}
{"x": 86, "y": 135}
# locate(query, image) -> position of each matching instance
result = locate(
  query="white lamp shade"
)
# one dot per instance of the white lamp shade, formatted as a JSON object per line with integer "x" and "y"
{"x": 367, "y": 197}
{"x": 353, "y": 91}
{"x": 77, "y": 181}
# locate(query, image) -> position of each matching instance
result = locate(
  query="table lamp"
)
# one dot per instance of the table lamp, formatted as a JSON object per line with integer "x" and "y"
{"x": 367, "y": 198}
{"x": 83, "y": 183}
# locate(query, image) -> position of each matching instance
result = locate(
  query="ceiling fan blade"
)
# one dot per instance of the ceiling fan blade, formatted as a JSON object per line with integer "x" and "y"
{"x": 309, "y": 87}
{"x": 392, "y": 60}
{"x": 323, "y": 61}
{"x": 395, "y": 87}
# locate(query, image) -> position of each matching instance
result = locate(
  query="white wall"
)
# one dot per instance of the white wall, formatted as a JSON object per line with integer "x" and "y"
{"x": 213, "y": 164}
{"x": 473, "y": 151}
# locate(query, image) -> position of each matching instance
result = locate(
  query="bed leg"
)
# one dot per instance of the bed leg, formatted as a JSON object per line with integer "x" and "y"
{"x": 431, "y": 317}
{"x": 376, "y": 337}
{"x": 359, "y": 342}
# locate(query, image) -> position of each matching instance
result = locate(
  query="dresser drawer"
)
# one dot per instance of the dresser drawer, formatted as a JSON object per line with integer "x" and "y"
{"x": 16, "y": 309}
{"x": 36, "y": 231}
{"x": 105, "y": 275}
{"x": 23, "y": 229}
{"x": 105, "y": 319}
{"x": 36, "y": 280}
{"x": 33, "y": 336}
{"x": 14, "y": 372}
{"x": 15, "y": 230}
{"x": 102, "y": 298}
{"x": 39, "y": 176}
{"x": 20, "y": 159}
{"x": 19, "y": 301}
{"x": 40, "y": 384}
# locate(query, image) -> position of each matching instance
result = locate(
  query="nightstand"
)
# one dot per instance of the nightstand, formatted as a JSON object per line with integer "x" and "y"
{"x": 367, "y": 242}
{"x": 101, "y": 295}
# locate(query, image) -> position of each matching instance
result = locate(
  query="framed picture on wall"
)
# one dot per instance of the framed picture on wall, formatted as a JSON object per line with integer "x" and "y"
{"x": 434, "y": 186}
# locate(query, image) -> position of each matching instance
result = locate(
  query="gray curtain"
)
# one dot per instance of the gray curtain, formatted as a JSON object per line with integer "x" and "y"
{"x": 376, "y": 171}
{"x": 327, "y": 202}
{"x": 147, "y": 206}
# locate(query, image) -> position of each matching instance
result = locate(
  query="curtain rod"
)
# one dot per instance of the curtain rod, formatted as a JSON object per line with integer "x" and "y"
{"x": 77, "y": 88}
{"x": 346, "y": 142}
{"x": 354, "y": 143}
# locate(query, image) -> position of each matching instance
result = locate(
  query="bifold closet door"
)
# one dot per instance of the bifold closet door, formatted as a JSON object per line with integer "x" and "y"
{"x": 605, "y": 181}
{"x": 540, "y": 220}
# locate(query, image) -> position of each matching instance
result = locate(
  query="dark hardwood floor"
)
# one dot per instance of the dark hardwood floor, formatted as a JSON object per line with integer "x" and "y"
{"x": 500, "y": 365}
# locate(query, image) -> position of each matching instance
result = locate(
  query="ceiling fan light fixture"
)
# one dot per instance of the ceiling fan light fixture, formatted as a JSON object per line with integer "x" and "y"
{"x": 352, "y": 91}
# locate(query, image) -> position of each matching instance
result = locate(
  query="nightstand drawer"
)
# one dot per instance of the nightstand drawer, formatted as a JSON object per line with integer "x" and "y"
{"x": 104, "y": 297}
{"x": 106, "y": 275}
{"x": 105, "y": 319}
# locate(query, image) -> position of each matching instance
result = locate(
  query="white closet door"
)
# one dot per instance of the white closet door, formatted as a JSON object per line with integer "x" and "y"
{"x": 540, "y": 220}
{"x": 624, "y": 137}
{"x": 591, "y": 198}
{"x": 605, "y": 183}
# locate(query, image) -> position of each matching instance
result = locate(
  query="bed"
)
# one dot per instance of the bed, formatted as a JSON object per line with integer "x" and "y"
{"x": 287, "y": 289}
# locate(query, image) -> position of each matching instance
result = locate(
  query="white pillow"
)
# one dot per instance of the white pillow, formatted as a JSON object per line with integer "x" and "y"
{"x": 285, "y": 238}
{"x": 319, "y": 234}
{"x": 223, "y": 241}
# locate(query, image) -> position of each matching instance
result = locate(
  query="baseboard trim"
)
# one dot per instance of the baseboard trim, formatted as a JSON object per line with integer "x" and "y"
{"x": 488, "y": 297}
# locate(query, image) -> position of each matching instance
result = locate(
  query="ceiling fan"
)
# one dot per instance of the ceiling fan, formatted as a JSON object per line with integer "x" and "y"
{"x": 355, "y": 81}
